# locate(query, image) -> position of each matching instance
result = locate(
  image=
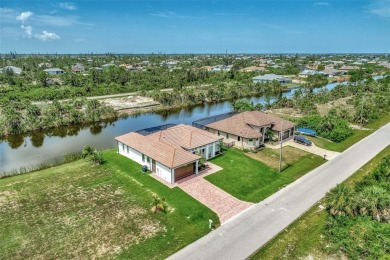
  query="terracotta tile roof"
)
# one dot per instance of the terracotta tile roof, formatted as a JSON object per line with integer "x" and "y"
{"x": 166, "y": 154}
{"x": 166, "y": 146}
{"x": 277, "y": 125}
{"x": 185, "y": 136}
{"x": 239, "y": 124}
{"x": 235, "y": 125}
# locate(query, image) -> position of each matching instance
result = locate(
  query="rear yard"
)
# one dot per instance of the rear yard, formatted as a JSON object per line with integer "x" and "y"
{"x": 251, "y": 180}
{"x": 81, "y": 211}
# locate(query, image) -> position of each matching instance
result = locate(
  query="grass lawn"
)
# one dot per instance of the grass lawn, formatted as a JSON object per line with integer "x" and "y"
{"x": 356, "y": 137}
{"x": 304, "y": 237}
{"x": 270, "y": 156}
{"x": 251, "y": 180}
{"x": 77, "y": 210}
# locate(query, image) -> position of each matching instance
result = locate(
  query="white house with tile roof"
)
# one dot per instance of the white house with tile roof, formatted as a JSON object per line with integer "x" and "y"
{"x": 249, "y": 129}
{"x": 170, "y": 153}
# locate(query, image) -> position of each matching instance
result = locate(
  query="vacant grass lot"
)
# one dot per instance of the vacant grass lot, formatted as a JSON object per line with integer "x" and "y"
{"x": 304, "y": 238}
{"x": 251, "y": 180}
{"x": 271, "y": 156}
{"x": 77, "y": 210}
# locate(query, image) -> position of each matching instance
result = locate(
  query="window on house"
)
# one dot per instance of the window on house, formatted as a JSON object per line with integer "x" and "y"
{"x": 219, "y": 133}
{"x": 238, "y": 138}
{"x": 148, "y": 159}
{"x": 127, "y": 149}
{"x": 250, "y": 140}
{"x": 227, "y": 136}
{"x": 123, "y": 146}
{"x": 143, "y": 157}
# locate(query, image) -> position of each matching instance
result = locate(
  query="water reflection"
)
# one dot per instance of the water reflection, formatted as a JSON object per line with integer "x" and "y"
{"x": 15, "y": 141}
{"x": 37, "y": 139}
{"x": 96, "y": 129}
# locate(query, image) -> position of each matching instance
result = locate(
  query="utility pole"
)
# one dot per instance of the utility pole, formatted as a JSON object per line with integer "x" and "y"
{"x": 281, "y": 147}
{"x": 361, "y": 114}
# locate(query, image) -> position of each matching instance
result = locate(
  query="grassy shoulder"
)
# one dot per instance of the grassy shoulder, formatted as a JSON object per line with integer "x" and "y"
{"x": 356, "y": 137}
{"x": 251, "y": 180}
{"x": 84, "y": 211}
{"x": 305, "y": 237}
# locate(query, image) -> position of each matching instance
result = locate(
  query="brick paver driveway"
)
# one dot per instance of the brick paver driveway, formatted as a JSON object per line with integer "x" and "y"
{"x": 225, "y": 205}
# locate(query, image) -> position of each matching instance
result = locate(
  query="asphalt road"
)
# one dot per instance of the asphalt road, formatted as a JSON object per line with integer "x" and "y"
{"x": 243, "y": 235}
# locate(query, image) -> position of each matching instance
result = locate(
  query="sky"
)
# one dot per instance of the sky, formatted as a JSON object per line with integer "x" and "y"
{"x": 182, "y": 26}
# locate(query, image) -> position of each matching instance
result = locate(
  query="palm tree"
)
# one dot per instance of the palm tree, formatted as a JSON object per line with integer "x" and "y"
{"x": 327, "y": 123}
{"x": 340, "y": 201}
{"x": 88, "y": 151}
{"x": 158, "y": 205}
{"x": 97, "y": 158}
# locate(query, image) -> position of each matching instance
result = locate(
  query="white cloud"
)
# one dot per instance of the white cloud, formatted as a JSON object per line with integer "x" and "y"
{"x": 24, "y": 16}
{"x": 47, "y": 36}
{"x": 6, "y": 10}
{"x": 68, "y": 6}
{"x": 321, "y": 4}
{"x": 163, "y": 14}
{"x": 380, "y": 8}
{"x": 27, "y": 30}
{"x": 44, "y": 36}
{"x": 7, "y": 16}
{"x": 169, "y": 14}
{"x": 58, "y": 20}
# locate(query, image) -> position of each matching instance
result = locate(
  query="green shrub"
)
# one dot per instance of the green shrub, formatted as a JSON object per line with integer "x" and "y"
{"x": 359, "y": 221}
{"x": 331, "y": 127}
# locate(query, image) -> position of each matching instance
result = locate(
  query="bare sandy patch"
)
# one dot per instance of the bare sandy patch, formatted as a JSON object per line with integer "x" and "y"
{"x": 130, "y": 102}
{"x": 291, "y": 112}
{"x": 323, "y": 109}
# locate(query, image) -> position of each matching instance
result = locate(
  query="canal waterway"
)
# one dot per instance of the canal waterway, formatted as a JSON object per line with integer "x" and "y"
{"x": 41, "y": 147}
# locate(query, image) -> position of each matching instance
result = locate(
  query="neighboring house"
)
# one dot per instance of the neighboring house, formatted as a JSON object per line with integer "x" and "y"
{"x": 54, "y": 71}
{"x": 385, "y": 64}
{"x": 348, "y": 68}
{"x": 307, "y": 73}
{"x": 249, "y": 129}
{"x": 253, "y": 69}
{"x": 271, "y": 77}
{"x": 108, "y": 65}
{"x": 207, "y": 68}
{"x": 330, "y": 72}
{"x": 78, "y": 68}
{"x": 169, "y": 153}
{"x": 45, "y": 65}
{"x": 14, "y": 69}
{"x": 217, "y": 68}
{"x": 169, "y": 63}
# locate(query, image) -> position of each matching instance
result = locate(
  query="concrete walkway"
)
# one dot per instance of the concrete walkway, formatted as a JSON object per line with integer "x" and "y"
{"x": 243, "y": 235}
{"x": 310, "y": 149}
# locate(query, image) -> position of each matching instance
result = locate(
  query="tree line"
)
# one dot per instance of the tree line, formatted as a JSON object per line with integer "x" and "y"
{"x": 21, "y": 117}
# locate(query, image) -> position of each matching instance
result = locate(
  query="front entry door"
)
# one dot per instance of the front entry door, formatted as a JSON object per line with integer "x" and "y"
{"x": 153, "y": 165}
